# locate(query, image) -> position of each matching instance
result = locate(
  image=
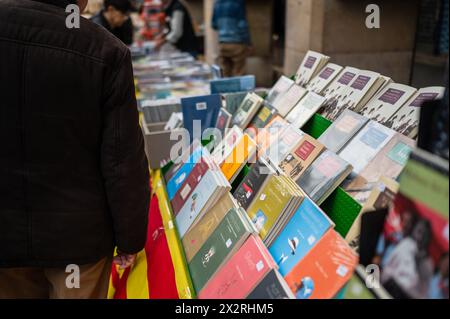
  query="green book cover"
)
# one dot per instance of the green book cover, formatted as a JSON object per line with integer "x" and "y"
{"x": 217, "y": 248}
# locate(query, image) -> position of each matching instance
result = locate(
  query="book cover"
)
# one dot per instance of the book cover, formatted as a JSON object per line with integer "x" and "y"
{"x": 324, "y": 270}
{"x": 287, "y": 140}
{"x": 288, "y": 100}
{"x": 234, "y": 84}
{"x": 217, "y": 248}
{"x": 223, "y": 121}
{"x": 260, "y": 120}
{"x": 272, "y": 287}
{"x": 342, "y": 130}
{"x": 386, "y": 103}
{"x": 269, "y": 204}
{"x": 302, "y": 155}
{"x": 194, "y": 239}
{"x": 324, "y": 175}
{"x": 334, "y": 93}
{"x": 270, "y": 133}
{"x": 389, "y": 162}
{"x": 189, "y": 185}
{"x": 252, "y": 182}
{"x": 224, "y": 147}
{"x": 200, "y": 108}
{"x": 281, "y": 87}
{"x": 238, "y": 157}
{"x": 247, "y": 110}
{"x": 194, "y": 204}
{"x": 406, "y": 120}
{"x": 185, "y": 168}
{"x": 366, "y": 145}
{"x": 240, "y": 275}
{"x": 299, "y": 236}
{"x": 305, "y": 109}
{"x": 310, "y": 66}
{"x": 361, "y": 89}
{"x": 233, "y": 100}
{"x": 324, "y": 78}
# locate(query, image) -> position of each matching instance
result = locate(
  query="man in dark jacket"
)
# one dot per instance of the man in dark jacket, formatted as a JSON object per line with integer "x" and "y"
{"x": 74, "y": 179}
{"x": 115, "y": 18}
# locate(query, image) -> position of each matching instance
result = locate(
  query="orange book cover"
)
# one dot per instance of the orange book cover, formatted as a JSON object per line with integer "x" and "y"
{"x": 239, "y": 156}
{"x": 324, "y": 270}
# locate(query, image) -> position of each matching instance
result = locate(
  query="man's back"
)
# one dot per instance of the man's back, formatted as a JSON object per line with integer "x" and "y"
{"x": 229, "y": 19}
{"x": 73, "y": 174}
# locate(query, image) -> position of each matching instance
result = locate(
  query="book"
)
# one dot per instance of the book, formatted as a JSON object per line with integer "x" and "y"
{"x": 305, "y": 109}
{"x": 386, "y": 103}
{"x": 224, "y": 147}
{"x": 194, "y": 239}
{"x": 301, "y": 233}
{"x": 273, "y": 201}
{"x": 285, "y": 102}
{"x": 201, "y": 109}
{"x": 224, "y": 241}
{"x": 253, "y": 182}
{"x": 272, "y": 287}
{"x": 233, "y": 84}
{"x": 312, "y": 63}
{"x": 241, "y": 273}
{"x": 334, "y": 93}
{"x": 323, "y": 176}
{"x": 342, "y": 130}
{"x": 270, "y": 133}
{"x": 359, "y": 92}
{"x": 324, "y": 270}
{"x": 281, "y": 87}
{"x": 389, "y": 162}
{"x": 406, "y": 120}
{"x": 223, "y": 121}
{"x": 301, "y": 156}
{"x": 231, "y": 101}
{"x": 210, "y": 188}
{"x": 247, "y": 110}
{"x": 239, "y": 156}
{"x": 286, "y": 141}
{"x": 183, "y": 169}
{"x": 366, "y": 145}
{"x": 324, "y": 78}
{"x": 175, "y": 121}
{"x": 260, "y": 120}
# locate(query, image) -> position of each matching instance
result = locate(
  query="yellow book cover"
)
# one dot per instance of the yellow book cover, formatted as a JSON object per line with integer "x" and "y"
{"x": 238, "y": 157}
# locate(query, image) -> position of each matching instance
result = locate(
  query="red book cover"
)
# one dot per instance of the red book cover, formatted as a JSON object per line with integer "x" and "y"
{"x": 324, "y": 270}
{"x": 189, "y": 185}
{"x": 238, "y": 277}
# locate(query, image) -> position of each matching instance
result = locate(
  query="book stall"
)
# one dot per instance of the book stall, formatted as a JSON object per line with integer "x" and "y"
{"x": 307, "y": 190}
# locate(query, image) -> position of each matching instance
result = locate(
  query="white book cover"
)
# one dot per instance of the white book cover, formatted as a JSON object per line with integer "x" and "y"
{"x": 282, "y": 86}
{"x": 175, "y": 121}
{"x": 305, "y": 109}
{"x": 366, "y": 144}
{"x": 356, "y": 92}
{"x": 334, "y": 92}
{"x": 406, "y": 120}
{"x": 387, "y": 102}
{"x": 226, "y": 145}
{"x": 324, "y": 78}
{"x": 309, "y": 67}
{"x": 247, "y": 110}
{"x": 287, "y": 101}
{"x": 287, "y": 140}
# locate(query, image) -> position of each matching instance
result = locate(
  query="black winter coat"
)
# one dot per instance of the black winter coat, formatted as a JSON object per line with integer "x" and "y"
{"x": 74, "y": 179}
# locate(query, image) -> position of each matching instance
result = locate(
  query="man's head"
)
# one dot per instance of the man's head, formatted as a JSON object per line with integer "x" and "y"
{"x": 117, "y": 11}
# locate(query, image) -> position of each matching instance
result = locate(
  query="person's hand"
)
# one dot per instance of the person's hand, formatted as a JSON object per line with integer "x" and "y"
{"x": 124, "y": 260}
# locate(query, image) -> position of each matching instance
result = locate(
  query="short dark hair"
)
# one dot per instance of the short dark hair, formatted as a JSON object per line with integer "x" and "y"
{"x": 123, "y": 6}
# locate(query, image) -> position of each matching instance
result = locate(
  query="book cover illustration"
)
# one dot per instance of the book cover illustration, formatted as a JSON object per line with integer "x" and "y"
{"x": 324, "y": 78}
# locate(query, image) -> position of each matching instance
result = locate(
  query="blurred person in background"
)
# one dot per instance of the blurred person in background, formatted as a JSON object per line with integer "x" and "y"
{"x": 181, "y": 33}
{"x": 115, "y": 17}
{"x": 230, "y": 22}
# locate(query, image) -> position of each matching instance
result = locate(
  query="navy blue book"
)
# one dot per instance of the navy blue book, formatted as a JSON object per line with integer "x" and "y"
{"x": 202, "y": 108}
{"x": 235, "y": 84}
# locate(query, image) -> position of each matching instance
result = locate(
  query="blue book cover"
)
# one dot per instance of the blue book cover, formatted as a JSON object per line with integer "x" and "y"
{"x": 301, "y": 233}
{"x": 232, "y": 85}
{"x": 195, "y": 203}
{"x": 202, "y": 108}
{"x": 174, "y": 184}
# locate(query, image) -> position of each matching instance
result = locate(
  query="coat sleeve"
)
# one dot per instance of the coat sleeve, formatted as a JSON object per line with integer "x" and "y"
{"x": 123, "y": 161}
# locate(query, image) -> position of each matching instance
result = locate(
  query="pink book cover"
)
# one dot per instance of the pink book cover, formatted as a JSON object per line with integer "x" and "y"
{"x": 189, "y": 185}
{"x": 237, "y": 278}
